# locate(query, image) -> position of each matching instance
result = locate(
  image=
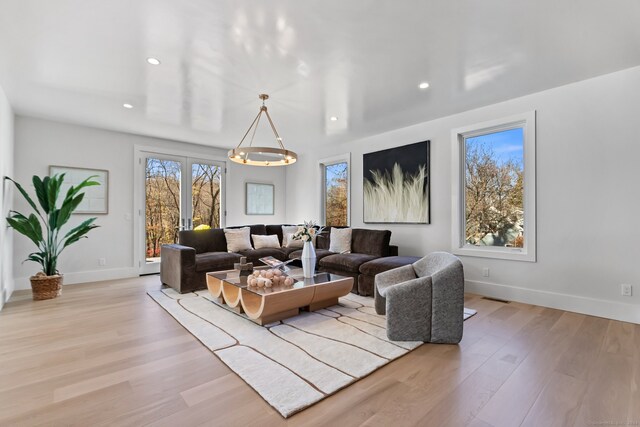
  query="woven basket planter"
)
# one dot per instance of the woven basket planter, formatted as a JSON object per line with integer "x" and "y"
{"x": 46, "y": 287}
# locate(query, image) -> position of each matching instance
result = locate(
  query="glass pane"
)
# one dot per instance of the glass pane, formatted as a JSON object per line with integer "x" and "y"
{"x": 162, "y": 205}
{"x": 494, "y": 189}
{"x": 336, "y": 194}
{"x": 205, "y": 195}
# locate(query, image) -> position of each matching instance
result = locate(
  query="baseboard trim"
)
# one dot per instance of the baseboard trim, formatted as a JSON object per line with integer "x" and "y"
{"x": 86, "y": 276}
{"x": 578, "y": 304}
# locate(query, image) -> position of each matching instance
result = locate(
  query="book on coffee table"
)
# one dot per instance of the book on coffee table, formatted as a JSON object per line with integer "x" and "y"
{"x": 274, "y": 262}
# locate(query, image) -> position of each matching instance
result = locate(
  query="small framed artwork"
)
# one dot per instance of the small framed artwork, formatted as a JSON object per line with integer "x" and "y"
{"x": 96, "y": 197}
{"x": 259, "y": 198}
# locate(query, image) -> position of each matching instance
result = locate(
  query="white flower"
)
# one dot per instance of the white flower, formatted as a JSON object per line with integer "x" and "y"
{"x": 312, "y": 231}
{"x": 306, "y": 237}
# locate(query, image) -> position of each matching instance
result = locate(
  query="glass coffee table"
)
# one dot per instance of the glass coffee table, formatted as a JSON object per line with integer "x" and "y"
{"x": 267, "y": 305}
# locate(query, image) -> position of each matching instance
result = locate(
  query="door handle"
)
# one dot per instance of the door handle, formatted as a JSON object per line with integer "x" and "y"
{"x": 182, "y": 224}
{"x": 189, "y": 224}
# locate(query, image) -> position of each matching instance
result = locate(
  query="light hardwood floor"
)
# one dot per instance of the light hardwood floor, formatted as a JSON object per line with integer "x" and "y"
{"x": 106, "y": 354}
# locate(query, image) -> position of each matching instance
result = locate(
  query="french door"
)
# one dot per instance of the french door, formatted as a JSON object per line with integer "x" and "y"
{"x": 179, "y": 193}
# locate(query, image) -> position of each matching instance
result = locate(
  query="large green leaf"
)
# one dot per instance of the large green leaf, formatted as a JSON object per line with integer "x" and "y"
{"x": 40, "y": 186}
{"x": 25, "y": 195}
{"x": 86, "y": 183}
{"x": 53, "y": 189}
{"x": 22, "y": 228}
{"x": 38, "y": 257}
{"x": 81, "y": 226}
{"x": 77, "y": 235}
{"x": 67, "y": 209}
{"x": 53, "y": 218}
{"x": 36, "y": 227}
{"x": 29, "y": 227}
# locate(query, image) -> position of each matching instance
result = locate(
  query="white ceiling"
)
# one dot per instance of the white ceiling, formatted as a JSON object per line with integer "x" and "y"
{"x": 360, "y": 60}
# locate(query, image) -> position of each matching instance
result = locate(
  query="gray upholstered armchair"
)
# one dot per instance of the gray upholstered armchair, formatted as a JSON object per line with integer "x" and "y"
{"x": 423, "y": 301}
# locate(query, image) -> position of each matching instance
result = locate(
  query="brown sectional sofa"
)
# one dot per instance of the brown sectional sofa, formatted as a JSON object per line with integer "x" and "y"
{"x": 366, "y": 245}
{"x": 184, "y": 266}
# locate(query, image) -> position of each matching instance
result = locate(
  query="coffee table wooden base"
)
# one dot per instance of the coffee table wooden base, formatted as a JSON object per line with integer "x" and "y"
{"x": 271, "y": 307}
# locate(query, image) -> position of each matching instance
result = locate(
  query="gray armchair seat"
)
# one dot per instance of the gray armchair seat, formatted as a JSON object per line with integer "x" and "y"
{"x": 423, "y": 301}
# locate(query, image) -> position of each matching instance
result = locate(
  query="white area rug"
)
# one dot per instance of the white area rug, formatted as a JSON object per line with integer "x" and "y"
{"x": 299, "y": 361}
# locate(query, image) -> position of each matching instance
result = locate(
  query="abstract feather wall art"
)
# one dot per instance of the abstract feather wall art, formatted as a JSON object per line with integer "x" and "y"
{"x": 397, "y": 185}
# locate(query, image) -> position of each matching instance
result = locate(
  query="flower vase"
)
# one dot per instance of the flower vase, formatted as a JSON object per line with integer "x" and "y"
{"x": 308, "y": 260}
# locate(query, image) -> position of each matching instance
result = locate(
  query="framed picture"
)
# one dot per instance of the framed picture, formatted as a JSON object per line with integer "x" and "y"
{"x": 259, "y": 199}
{"x": 396, "y": 185}
{"x": 96, "y": 197}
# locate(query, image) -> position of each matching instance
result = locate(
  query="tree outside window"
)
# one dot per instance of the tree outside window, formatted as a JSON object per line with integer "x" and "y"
{"x": 336, "y": 182}
{"x": 494, "y": 189}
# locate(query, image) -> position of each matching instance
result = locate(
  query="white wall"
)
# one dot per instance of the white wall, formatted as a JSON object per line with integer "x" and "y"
{"x": 238, "y": 176}
{"x": 6, "y": 198}
{"x": 40, "y": 143}
{"x": 588, "y": 202}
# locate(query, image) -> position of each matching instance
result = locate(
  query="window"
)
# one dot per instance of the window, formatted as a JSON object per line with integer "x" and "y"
{"x": 494, "y": 207}
{"x": 335, "y": 174}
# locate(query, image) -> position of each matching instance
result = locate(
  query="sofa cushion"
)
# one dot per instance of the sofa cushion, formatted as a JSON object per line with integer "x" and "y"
{"x": 253, "y": 255}
{"x": 379, "y": 265}
{"x": 320, "y": 253}
{"x": 203, "y": 241}
{"x": 268, "y": 241}
{"x": 254, "y": 229}
{"x": 276, "y": 229}
{"x": 238, "y": 239}
{"x": 345, "y": 262}
{"x": 371, "y": 242}
{"x": 340, "y": 240}
{"x": 215, "y": 261}
{"x": 287, "y": 232}
{"x": 293, "y": 243}
{"x": 288, "y": 251}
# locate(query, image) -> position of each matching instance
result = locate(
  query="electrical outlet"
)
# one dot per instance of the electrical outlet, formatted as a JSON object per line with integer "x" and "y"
{"x": 485, "y": 272}
{"x": 102, "y": 262}
{"x": 626, "y": 290}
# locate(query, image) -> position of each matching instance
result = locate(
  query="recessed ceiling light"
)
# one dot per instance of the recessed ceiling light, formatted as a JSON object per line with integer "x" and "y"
{"x": 153, "y": 61}
{"x": 333, "y": 118}
{"x": 127, "y": 106}
{"x": 423, "y": 85}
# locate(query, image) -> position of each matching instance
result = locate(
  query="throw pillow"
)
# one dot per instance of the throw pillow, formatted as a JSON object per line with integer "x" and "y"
{"x": 291, "y": 243}
{"x": 287, "y": 232}
{"x": 238, "y": 239}
{"x": 340, "y": 240}
{"x": 268, "y": 241}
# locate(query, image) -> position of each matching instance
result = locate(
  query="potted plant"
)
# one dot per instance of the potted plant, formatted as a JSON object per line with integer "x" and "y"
{"x": 43, "y": 227}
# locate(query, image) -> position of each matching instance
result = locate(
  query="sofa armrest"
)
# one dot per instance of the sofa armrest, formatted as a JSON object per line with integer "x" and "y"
{"x": 178, "y": 267}
{"x": 409, "y": 310}
{"x": 390, "y": 278}
{"x": 393, "y": 250}
{"x": 387, "y": 279}
{"x": 448, "y": 304}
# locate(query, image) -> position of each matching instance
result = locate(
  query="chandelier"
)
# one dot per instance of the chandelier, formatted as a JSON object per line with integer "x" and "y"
{"x": 262, "y": 156}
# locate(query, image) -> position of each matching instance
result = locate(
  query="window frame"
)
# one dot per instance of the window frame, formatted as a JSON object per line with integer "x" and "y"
{"x": 322, "y": 164}
{"x": 526, "y": 121}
